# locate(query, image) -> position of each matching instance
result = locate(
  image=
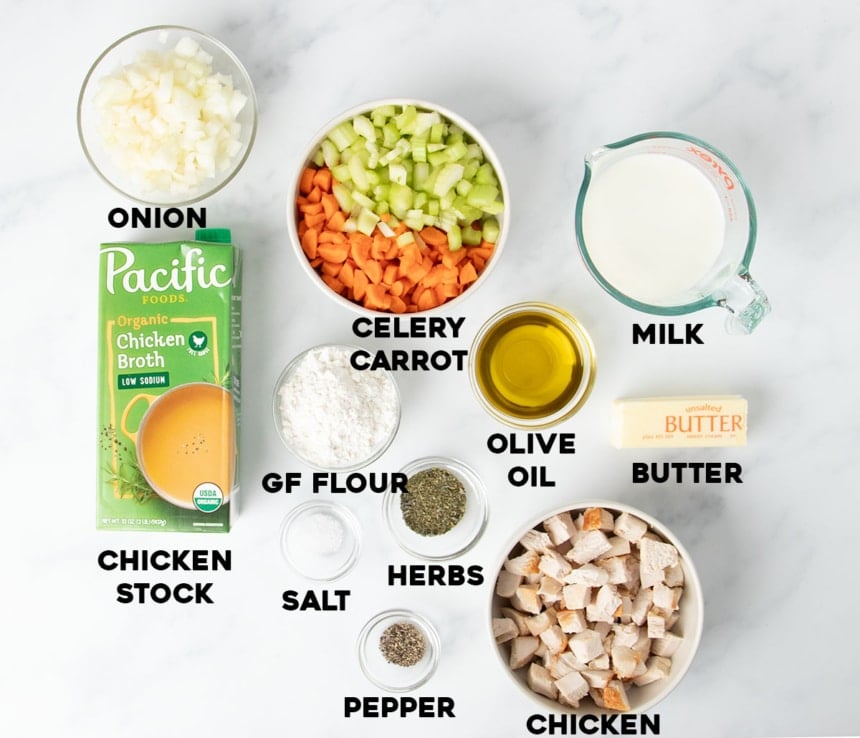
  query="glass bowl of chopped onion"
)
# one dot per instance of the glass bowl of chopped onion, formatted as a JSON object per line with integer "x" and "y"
{"x": 167, "y": 115}
{"x": 442, "y": 512}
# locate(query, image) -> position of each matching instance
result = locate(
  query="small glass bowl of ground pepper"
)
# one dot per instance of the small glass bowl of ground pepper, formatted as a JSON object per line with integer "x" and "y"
{"x": 443, "y": 511}
{"x": 398, "y": 650}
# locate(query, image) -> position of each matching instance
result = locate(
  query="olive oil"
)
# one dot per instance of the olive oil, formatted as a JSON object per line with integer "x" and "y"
{"x": 532, "y": 363}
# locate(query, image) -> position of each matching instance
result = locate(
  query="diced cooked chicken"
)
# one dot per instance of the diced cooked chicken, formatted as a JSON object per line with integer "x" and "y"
{"x": 617, "y": 568}
{"x": 572, "y": 621}
{"x": 560, "y": 528}
{"x": 597, "y": 677}
{"x": 536, "y": 540}
{"x": 643, "y": 645}
{"x": 596, "y": 518}
{"x": 589, "y": 546}
{"x": 654, "y": 557}
{"x": 537, "y": 624}
{"x": 554, "y": 639}
{"x": 586, "y": 646}
{"x": 673, "y": 576}
{"x": 526, "y": 599}
{"x": 626, "y": 635}
{"x": 601, "y": 628}
{"x": 603, "y": 607}
{"x": 576, "y": 596}
{"x": 572, "y": 687}
{"x": 553, "y": 564}
{"x": 619, "y": 547}
{"x": 615, "y": 696}
{"x": 630, "y": 527}
{"x": 656, "y": 625}
{"x": 526, "y": 563}
{"x": 597, "y": 695}
{"x": 589, "y": 574}
{"x": 601, "y": 662}
{"x": 522, "y": 650}
{"x": 624, "y": 661}
{"x": 550, "y": 590}
{"x": 657, "y": 667}
{"x": 626, "y": 609}
{"x": 641, "y": 605}
{"x": 504, "y": 629}
{"x": 667, "y": 645}
{"x": 519, "y": 618}
{"x": 507, "y": 583}
{"x": 540, "y": 680}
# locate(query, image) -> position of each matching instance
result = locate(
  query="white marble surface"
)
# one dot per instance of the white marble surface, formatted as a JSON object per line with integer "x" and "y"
{"x": 773, "y": 84}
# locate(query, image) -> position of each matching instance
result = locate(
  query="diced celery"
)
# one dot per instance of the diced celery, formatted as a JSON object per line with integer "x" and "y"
{"x": 318, "y": 159}
{"x": 470, "y": 168}
{"x": 381, "y": 207}
{"x": 358, "y": 174}
{"x": 465, "y": 212}
{"x": 448, "y": 176}
{"x": 456, "y": 151}
{"x": 437, "y": 158}
{"x": 454, "y": 138}
{"x": 381, "y": 192}
{"x": 399, "y": 199}
{"x": 473, "y": 151}
{"x": 433, "y": 207}
{"x": 343, "y": 196}
{"x": 482, "y": 195}
{"x": 485, "y": 174}
{"x": 464, "y": 185}
{"x": 435, "y": 146}
{"x": 437, "y": 132}
{"x": 383, "y": 112}
{"x": 397, "y": 173}
{"x": 367, "y": 221}
{"x": 490, "y": 231}
{"x": 429, "y": 220}
{"x": 330, "y": 153}
{"x": 420, "y": 200}
{"x": 350, "y": 226}
{"x": 471, "y": 236}
{"x": 425, "y": 121}
{"x": 430, "y": 181}
{"x": 343, "y": 135}
{"x": 447, "y": 219}
{"x": 362, "y": 200}
{"x": 494, "y": 208}
{"x": 405, "y": 238}
{"x": 446, "y": 202}
{"x": 419, "y": 149}
{"x": 373, "y": 177}
{"x": 341, "y": 173}
{"x": 415, "y": 222}
{"x": 390, "y": 134}
{"x": 364, "y": 128}
{"x": 407, "y": 120}
{"x": 455, "y": 239}
{"x": 419, "y": 174}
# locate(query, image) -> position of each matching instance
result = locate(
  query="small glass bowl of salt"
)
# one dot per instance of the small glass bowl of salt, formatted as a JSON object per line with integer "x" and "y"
{"x": 321, "y": 540}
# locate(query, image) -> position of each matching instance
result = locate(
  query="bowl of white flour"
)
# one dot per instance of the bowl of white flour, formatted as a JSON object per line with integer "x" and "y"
{"x": 332, "y": 416}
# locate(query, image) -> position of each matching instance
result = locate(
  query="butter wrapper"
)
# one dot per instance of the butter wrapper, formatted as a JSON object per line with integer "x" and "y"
{"x": 679, "y": 422}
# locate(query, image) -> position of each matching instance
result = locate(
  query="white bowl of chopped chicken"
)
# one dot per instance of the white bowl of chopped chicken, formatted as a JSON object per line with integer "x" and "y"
{"x": 597, "y": 609}
{"x": 167, "y": 115}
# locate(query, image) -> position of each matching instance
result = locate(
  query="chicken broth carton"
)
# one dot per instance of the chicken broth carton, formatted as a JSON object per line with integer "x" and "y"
{"x": 168, "y": 411}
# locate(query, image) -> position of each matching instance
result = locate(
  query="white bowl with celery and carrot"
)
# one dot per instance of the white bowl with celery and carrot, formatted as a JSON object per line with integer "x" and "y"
{"x": 400, "y": 206}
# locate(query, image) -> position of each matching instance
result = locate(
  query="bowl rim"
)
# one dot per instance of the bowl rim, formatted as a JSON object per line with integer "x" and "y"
{"x": 316, "y": 140}
{"x": 251, "y": 95}
{"x": 468, "y": 476}
{"x": 693, "y": 635}
{"x": 355, "y": 466}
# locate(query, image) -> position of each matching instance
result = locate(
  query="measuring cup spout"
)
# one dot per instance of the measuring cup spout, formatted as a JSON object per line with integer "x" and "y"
{"x": 746, "y": 302}
{"x": 597, "y": 155}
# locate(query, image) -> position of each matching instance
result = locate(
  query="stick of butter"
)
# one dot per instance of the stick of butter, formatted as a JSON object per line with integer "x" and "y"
{"x": 676, "y": 422}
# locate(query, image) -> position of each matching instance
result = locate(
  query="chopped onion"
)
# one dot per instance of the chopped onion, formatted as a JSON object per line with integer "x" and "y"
{"x": 168, "y": 121}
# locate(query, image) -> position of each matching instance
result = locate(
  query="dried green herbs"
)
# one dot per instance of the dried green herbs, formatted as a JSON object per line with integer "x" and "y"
{"x": 402, "y": 644}
{"x": 434, "y": 502}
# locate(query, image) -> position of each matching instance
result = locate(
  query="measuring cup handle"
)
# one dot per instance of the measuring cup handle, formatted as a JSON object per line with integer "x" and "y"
{"x": 124, "y": 418}
{"x": 746, "y": 302}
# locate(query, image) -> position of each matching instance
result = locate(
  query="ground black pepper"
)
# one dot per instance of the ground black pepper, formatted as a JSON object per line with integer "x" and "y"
{"x": 434, "y": 502}
{"x": 402, "y": 644}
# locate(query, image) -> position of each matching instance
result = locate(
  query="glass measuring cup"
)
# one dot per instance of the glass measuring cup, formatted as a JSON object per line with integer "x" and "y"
{"x": 722, "y": 277}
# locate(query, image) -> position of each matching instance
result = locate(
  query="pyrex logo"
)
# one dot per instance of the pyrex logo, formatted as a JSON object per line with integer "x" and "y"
{"x": 182, "y": 276}
{"x": 708, "y": 159}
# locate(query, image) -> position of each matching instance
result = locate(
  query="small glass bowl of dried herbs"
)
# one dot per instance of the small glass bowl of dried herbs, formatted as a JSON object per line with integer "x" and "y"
{"x": 443, "y": 511}
{"x": 398, "y": 650}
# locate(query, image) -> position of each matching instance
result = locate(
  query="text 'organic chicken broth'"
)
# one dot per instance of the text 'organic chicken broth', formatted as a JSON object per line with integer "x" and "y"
{"x": 169, "y": 344}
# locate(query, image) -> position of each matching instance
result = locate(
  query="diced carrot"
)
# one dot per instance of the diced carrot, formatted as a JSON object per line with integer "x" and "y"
{"x": 389, "y": 275}
{"x": 309, "y": 243}
{"x": 377, "y": 297}
{"x": 417, "y": 271}
{"x": 398, "y": 287}
{"x": 347, "y": 274}
{"x": 315, "y": 195}
{"x": 302, "y": 228}
{"x": 433, "y": 236}
{"x": 478, "y": 262}
{"x": 439, "y": 292}
{"x": 359, "y": 286}
{"x": 332, "y": 237}
{"x": 322, "y": 179}
{"x": 329, "y": 205}
{"x": 334, "y": 283}
{"x": 434, "y": 276}
{"x": 397, "y": 305}
{"x": 427, "y": 300}
{"x": 316, "y": 262}
{"x": 336, "y": 221}
{"x": 393, "y": 249}
{"x": 359, "y": 249}
{"x": 379, "y": 247}
{"x": 333, "y": 252}
{"x": 468, "y": 273}
{"x": 373, "y": 270}
{"x": 450, "y": 289}
{"x": 330, "y": 268}
{"x": 315, "y": 219}
{"x": 306, "y": 181}
{"x": 311, "y": 208}
{"x": 481, "y": 251}
{"x": 452, "y": 258}
{"x": 385, "y": 217}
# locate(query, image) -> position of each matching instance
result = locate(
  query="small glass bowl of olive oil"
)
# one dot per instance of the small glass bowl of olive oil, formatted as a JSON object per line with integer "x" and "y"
{"x": 532, "y": 365}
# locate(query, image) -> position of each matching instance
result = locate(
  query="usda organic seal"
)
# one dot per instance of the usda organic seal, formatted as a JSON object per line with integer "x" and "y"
{"x": 208, "y": 497}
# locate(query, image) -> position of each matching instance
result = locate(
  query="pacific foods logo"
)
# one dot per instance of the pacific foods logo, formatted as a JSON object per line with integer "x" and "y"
{"x": 182, "y": 276}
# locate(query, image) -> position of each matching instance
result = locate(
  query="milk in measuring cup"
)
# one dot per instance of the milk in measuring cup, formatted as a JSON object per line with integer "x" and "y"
{"x": 654, "y": 226}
